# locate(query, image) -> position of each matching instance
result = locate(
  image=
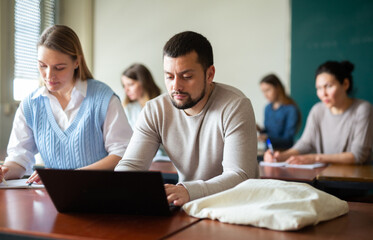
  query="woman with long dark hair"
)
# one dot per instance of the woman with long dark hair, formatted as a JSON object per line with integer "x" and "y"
{"x": 281, "y": 115}
{"x": 139, "y": 86}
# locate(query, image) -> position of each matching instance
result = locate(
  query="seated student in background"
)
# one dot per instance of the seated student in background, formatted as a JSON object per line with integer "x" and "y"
{"x": 339, "y": 129}
{"x": 139, "y": 86}
{"x": 281, "y": 115}
{"x": 73, "y": 121}
{"x": 207, "y": 129}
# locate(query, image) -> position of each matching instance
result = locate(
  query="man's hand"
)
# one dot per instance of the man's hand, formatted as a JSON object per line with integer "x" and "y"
{"x": 176, "y": 194}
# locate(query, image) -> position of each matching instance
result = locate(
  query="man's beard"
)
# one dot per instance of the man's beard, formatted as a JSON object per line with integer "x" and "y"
{"x": 189, "y": 102}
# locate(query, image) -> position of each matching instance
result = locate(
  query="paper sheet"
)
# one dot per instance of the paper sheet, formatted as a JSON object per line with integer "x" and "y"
{"x": 273, "y": 164}
{"x": 19, "y": 183}
{"x": 284, "y": 164}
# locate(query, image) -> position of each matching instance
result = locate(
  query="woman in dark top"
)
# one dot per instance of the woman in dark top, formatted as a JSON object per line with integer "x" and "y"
{"x": 281, "y": 115}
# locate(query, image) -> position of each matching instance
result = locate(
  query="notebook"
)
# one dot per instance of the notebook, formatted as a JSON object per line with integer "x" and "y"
{"x": 284, "y": 164}
{"x": 19, "y": 183}
{"x": 97, "y": 191}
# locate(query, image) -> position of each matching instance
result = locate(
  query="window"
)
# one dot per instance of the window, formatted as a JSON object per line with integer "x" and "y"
{"x": 31, "y": 17}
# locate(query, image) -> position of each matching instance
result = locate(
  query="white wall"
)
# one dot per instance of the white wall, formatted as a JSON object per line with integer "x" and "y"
{"x": 79, "y": 16}
{"x": 250, "y": 38}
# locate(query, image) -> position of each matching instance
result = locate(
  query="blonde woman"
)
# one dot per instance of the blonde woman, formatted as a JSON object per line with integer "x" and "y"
{"x": 73, "y": 121}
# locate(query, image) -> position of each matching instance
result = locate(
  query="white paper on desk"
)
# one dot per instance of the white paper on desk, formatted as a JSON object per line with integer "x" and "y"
{"x": 273, "y": 164}
{"x": 284, "y": 164}
{"x": 307, "y": 166}
{"x": 19, "y": 183}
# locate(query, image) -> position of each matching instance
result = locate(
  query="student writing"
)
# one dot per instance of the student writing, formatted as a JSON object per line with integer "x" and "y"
{"x": 339, "y": 128}
{"x": 75, "y": 122}
{"x": 281, "y": 115}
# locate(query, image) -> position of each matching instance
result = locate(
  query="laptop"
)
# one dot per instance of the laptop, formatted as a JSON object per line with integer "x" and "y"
{"x": 100, "y": 191}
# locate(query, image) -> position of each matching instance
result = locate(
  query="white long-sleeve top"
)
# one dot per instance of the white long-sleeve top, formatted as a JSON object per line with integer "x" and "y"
{"x": 116, "y": 130}
{"x": 351, "y": 131}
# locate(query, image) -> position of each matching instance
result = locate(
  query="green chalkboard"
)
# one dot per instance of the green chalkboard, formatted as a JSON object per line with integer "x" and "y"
{"x": 324, "y": 30}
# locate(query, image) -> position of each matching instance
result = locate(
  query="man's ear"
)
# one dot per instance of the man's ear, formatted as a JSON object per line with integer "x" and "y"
{"x": 210, "y": 73}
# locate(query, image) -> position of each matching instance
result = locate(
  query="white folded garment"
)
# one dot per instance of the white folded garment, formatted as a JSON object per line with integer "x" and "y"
{"x": 272, "y": 204}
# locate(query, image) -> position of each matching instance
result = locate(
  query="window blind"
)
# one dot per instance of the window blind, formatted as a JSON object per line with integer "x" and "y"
{"x": 30, "y": 19}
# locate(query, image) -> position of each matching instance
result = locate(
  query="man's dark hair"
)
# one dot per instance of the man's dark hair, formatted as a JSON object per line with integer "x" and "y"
{"x": 187, "y": 42}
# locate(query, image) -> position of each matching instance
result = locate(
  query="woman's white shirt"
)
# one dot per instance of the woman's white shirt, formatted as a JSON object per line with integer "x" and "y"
{"x": 133, "y": 110}
{"x": 116, "y": 129}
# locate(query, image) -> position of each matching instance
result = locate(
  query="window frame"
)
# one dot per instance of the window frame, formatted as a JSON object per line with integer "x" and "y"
{"x": 8, "y": 105}
{"x": 23, "y": 76}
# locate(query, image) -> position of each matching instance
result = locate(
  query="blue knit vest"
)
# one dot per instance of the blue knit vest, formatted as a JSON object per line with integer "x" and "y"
{"x": 82, "y": 143}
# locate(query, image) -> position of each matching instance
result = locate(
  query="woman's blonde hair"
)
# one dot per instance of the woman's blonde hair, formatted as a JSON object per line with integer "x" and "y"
{"x": 63, "y": 39}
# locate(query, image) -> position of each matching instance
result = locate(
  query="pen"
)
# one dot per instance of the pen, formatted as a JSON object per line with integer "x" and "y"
{"x": 270, "y": 147}
{"x": 30, "y": 183}
{"x": 4, "y": 181}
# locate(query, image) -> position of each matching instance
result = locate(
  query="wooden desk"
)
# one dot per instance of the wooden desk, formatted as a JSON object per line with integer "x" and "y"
{"x": 280, "y": 173}
{"x": 353, "y": 173}
{"x": 357, "y": 177}
{"x": 357, "y": 224}
{"x": 348, "y": 182}
{"x": 29, "y": 212}
{"x": 350, "y": 173}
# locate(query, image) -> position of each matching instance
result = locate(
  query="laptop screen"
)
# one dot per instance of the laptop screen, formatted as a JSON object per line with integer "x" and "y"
{"x": 98, "y": 191}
